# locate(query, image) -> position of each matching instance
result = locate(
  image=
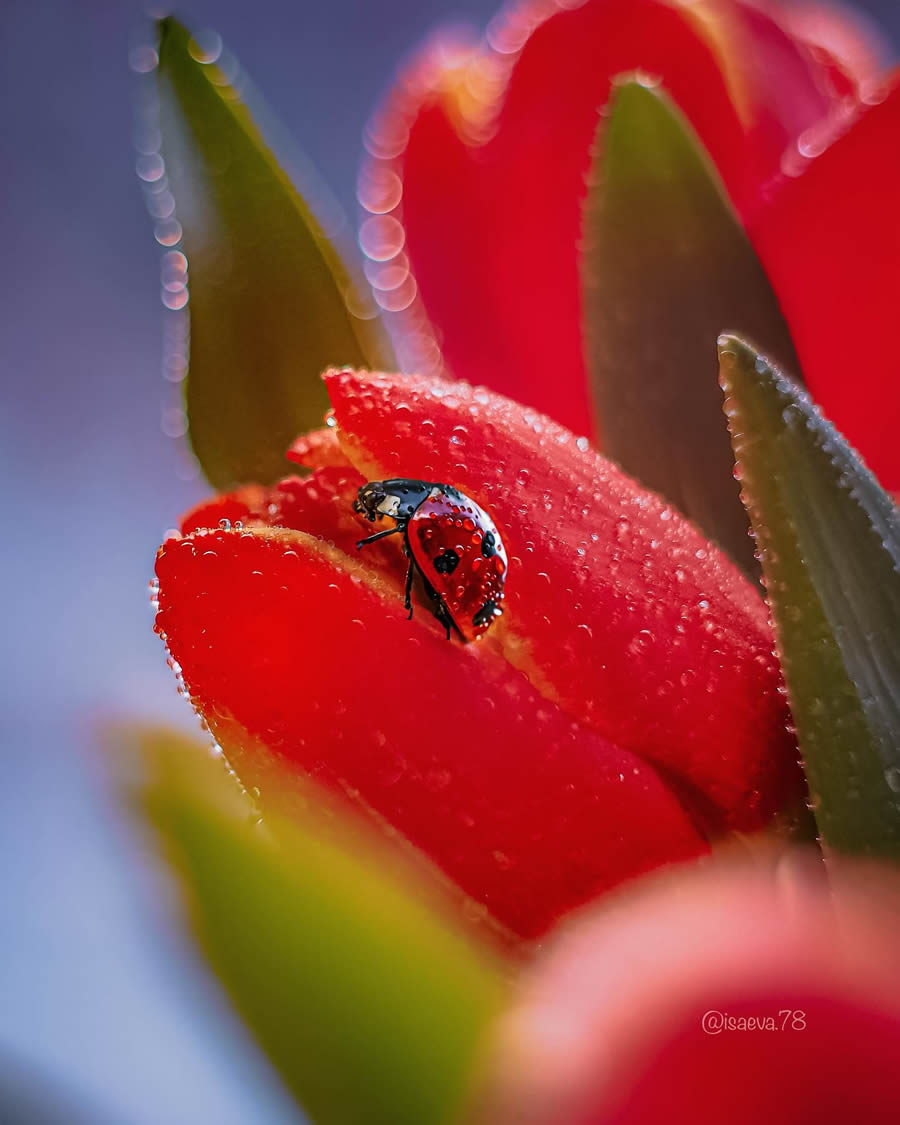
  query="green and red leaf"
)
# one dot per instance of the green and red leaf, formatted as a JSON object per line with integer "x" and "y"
{"x": 666, "y": 264}
{"x": 829, "y": 539}
{"x": 272, "y": 300}
{"x": 364, "y": 994}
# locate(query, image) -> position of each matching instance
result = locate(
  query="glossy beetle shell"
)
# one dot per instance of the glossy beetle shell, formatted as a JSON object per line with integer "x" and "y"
{"x": 458, "y": 550}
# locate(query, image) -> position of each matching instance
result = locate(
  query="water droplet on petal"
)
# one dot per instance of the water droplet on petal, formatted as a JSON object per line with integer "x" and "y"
{"x": 641, "y": 642}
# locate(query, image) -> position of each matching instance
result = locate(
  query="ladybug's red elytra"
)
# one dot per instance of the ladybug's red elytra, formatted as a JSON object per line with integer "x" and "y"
{"x": 450, "y": 541}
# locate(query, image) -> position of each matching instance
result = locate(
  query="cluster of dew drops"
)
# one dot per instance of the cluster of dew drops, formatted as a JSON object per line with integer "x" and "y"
{"x": 215, "y": 749}
{"x": 150, "y": 165}
{"x": 469, "y": 547}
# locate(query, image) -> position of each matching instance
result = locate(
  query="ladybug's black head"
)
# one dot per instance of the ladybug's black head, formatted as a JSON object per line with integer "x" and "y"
{"x": 395, "y": 498}
{"x": 368, "y": 500}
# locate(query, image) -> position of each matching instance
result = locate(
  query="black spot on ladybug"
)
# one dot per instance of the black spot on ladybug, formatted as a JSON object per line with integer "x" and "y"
{"x": 447, "y": 561}
{"x": 489, "y": 545}
{"x": 486, "y": 614}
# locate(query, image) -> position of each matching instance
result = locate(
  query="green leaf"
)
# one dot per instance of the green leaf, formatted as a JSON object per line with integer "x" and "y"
{"x": 369, "y": 1003}
{"x": 269, "y": 294}
{"x": 666, "y": 264}
{"x": 829, "y": 538}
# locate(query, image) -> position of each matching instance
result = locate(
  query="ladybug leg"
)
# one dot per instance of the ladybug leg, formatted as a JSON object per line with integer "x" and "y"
{"x": 407, "y": 601}
{"x": 378, "y": 535}
{"x": 440, "y": 611}
{"x": 444, "y": 617}
{"x": 442, "y": 614}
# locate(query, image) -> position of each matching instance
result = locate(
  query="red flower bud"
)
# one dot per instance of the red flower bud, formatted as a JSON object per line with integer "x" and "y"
{"x": 626, "y": 702}
{"x": 480, "y": 154}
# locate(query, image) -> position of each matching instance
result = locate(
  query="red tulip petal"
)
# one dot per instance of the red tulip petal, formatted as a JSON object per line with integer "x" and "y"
{"x": 830, "y": 243}
{"x": 319, "y": 449}
{"x": 489, "y": 146}
{"x": 623, "y": 1021}
{"x": 312, "y": 653}
{"x": 239, "y": 506}
{"x": 616, "y": 607}
{"x": 321, "y": 505}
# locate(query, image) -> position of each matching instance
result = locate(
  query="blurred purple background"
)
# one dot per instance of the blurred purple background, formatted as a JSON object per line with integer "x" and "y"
{"x": 99, "y": 992}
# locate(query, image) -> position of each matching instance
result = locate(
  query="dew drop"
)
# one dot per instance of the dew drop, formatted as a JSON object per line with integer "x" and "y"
{"x": 173, "y": 422}
{"x": 143, "y": 59}
{"x": 437, "y": 780}
{"x": 381, "y": 237}
{"x": 205, "y": 47}
{"x": 150, "y": 167}
{"x": 474, "y": 911}
{"x": 379, "y": 189}
{"x": 641, "y": 642}
{"x": 167, "y": 232}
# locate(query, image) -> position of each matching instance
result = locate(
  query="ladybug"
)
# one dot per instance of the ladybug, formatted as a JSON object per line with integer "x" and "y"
{"x": 450, "y": 541}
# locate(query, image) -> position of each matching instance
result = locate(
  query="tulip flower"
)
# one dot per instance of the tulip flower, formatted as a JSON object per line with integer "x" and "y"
{"x": 625, "y": 710}
{"x": 479, "y": 159}
{"x": 739, "y": 992}
{"x": 626, "y": 715}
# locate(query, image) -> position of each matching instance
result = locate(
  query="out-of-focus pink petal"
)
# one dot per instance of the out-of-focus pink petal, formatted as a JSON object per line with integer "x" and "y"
{"x": 624, "y": 1022}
